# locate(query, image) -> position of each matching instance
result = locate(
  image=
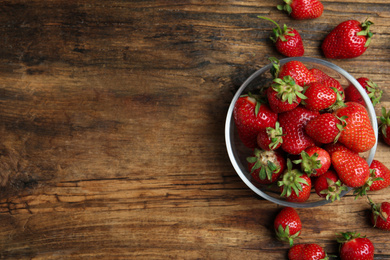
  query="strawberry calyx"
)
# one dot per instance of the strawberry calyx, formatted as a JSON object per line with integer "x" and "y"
{"x": 283, "y": 234}
{"x": 309, "y": 164}
{"x": 340, "y": 127}
{"x": 275, "y": 134}
{"x": 266, "y": 161}
{"x": 286, "y": 7}
{"x": 347, "y": 236}
{"x": 287, "y": 89}
{"x": 278, "y": 31}
{"x": 334, "y": 189}
{"x": 275, "y": 69}
{"x": 361, "y": 191}
{"x": 339, "y": 103}
{"x": 258, "y": 100}
{"x": 377, "y": 211}
{"x": 384, "y": 121}
{"x": 292, "y": 181}
{"x": 374, "y": 92}
{"x": 366, "y": 31}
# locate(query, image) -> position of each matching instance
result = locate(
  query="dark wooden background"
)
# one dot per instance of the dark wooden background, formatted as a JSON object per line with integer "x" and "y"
{"x": 112, "y": 128}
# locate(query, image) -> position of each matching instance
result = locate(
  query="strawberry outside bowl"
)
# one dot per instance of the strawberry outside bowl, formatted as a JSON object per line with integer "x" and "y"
{"x": 238, "y": 152}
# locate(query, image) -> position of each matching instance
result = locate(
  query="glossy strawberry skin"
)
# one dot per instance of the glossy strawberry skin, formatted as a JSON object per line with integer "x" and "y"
{"x": 246, "y": 121}
{"x": 306, "y": 252}
{"x": 319, "y": 96}
{"x": 352, "y": 94}
{"x": 343, "y": 42}
{"x": 323, "y": 129}
{"x": 293, "y": 122}
{"x": 352, "y": 169}
{"x": 381, "y": 171}
{"x": 321, "y": 183}
{"x": 292, "y": 46}
{"x": 378, "y": 221}
{"x": 302, "y": 195}
{"x": 331, "y": 148}
{"x": 305, "y": 9}
{"x": 323, "y": 157}
{"x": 265, "y": 140}
{"x": 358, "y": 135}
{"x": 277, "y": 105}
{"x": 287, "y": 217}
{"x": 360, "y": 248}
{"x": 327, "y": 80}
{"x": 298, "y": 71}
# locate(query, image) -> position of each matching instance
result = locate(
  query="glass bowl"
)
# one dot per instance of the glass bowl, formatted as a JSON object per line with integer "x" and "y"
{"x": 238, "y": 152}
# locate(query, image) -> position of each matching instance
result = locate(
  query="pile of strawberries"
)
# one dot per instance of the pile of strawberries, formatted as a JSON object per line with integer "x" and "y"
{"x": 307, "y": 132}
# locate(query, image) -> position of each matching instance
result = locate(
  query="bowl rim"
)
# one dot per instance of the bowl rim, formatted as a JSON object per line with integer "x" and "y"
{"x": 229, "y": 129}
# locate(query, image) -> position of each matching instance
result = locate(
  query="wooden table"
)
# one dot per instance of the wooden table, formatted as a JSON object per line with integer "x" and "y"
{"x": 112, "y": 128}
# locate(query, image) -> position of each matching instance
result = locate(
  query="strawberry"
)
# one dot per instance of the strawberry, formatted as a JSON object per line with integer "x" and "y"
{"x": 314, "y": 161}
{"x": 266, "y": 166}
{"x": 293, "y": 123}
{"x": 334, "y": 147}
{"x": 328, "y": 81}
{"x": 384, "y": 125}
{"x": 287, "y": 40}
{"x": 287, "y": 225}
{"x": 307, "y": 252}
{"x": 270, "y": 138}
{"x": 379, "y": 170}
{"x": 371, "y": 88}
{"x": 353, "y": 246}
{"x": 284, "y": 94}
{"x": 358, "y": 134}
{"x": 347, "y": 40}
{"x": 326, "y": 128}
{"x": 294, "y": 185}
{"x": 297, "y": 70}
{"x": 318, "y": 96}
{"x": 251, "y": 116}
{"x": 302, "y": 9}
{"x": 329, "y": 186}
{"x": 380, "y": 215}
{"x": 352, "y": 169}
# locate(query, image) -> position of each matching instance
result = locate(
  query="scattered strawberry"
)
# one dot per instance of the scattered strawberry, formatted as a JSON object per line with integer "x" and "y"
{"x": 329, "y": 186}
{"x": 380, "y": 215}
{"x": 384, "y": 125}
{"x": 318, "y": 96}
{"x": 251, "y": 116}
{"x": 314, "y": 161}
{"x": 293, "y": 123}
{"x": 287, "y": 225}
{"x": 352, "y": 169}
{"x": 347, "y": 40}
{"x": 270, "y": 138}
{"x": 266, "y": 166}
{"x": 358, "y": 134}
{"x": 326, "y": 128}
{"x": 284, "y": 94}
{"x": 294, "y": 185}
{"x": 297, "y": 70}
{"x": 371, "y": 88}
{"x": 307, "y": 252}
{"x": 355, "y": 247}
{"x": 379, "y": 170}
{"x": 287, "y": 40}
{"x": 302, "y": 9}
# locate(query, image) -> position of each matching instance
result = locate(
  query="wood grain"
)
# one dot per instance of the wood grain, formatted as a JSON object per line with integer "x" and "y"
{"x": 112, "y": 128}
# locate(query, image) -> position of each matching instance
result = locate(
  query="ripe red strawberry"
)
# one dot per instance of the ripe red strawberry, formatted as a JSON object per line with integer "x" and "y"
{"x": 384, "y": 125}
{"x": 293, "y": 123}
{"x": 379, "y": 171}
{"x": 287, "y": 40}
{"x": 355, "y": 247}
{"x": 287, "y": 225}
{"x": 325, "y": 129}
{"x": 284, "y": 95}
{"x": 302, "y": 9}
{"x": 371, "y": 88}
{"x": 297, "y": 70}
{"x": 295, "y": 186}
{"x": 319, "y": 96}
{"x": 314, "y": 161}
{"x": 307, "y": 252}
{"x": 329, "y": 186}
{"x": 358, "y": 134}
{"x": 352, "y": 169}
{"x": 270, "y": 138}
{"x": 334, "y": 147}
{"x": 347, "y": 40}
{"x": 250, "y": 116}
{"x": 266, "y": 166}
{"x": 380, "y": 215}
{"x": 328, "y": 81}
